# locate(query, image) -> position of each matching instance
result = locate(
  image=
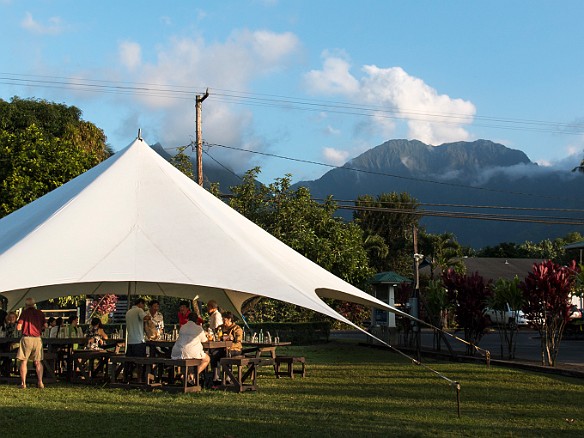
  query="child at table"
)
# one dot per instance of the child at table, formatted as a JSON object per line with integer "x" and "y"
{"x": 95, "y": 335}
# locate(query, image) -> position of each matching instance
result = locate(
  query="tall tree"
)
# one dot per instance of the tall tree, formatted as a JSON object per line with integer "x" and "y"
{"x": 32, "y": 165}
{"x": 468, "y": 295}
{"x": 42, "y": 146}
{"x": 392, "y": 216}
{"x": 306, "y": 226}
{"x": 183, "y": 163}
{"x": 442, "y": 251}
{"x": 546, "y": 292}
{"x": 506, "y": 294}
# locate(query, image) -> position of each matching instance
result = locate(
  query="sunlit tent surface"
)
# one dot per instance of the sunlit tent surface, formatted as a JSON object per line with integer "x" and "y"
{"x": 135, "y": 223}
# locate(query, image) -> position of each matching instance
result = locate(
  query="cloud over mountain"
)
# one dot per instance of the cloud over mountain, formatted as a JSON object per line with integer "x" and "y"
{"x": 431, "y": 117}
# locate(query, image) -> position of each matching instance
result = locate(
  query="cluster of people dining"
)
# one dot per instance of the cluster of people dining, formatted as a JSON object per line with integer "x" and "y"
{"x": 144, "y": 322}
{"x": 143, "y": 325}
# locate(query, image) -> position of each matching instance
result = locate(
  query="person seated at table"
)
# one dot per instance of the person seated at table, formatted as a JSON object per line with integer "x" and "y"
{"x": 3, "y": 315}
{"x": 51, "y": 321}
{"x": 231, "y": 332}
{"x": 9, "y": 324}
{"x": 189, "y": 344}
{"x": 55, "y": 331}
{"x": 95, "y": 335}
{"x": 74, "y": 330}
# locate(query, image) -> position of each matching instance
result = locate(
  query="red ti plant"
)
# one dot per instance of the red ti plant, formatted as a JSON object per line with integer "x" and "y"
{"x": 546, "y": 291}
{"x": 468, "y": 295}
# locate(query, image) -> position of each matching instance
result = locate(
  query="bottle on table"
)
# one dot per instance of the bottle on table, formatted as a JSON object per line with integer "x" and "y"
{"x": 261, "y": 336}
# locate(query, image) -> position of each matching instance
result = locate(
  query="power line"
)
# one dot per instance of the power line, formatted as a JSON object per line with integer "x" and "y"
{"x": 260, "y": 99}
{"x": 431, "y": 204}
{"x": 220, "y": 164}
{"x": 466, "y": 215}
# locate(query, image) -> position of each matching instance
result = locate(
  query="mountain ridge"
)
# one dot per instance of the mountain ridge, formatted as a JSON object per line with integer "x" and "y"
{"x": 478, "y": 173}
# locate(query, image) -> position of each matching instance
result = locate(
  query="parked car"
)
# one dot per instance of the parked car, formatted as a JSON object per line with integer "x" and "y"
{"x": 508, "y": 317}
{"x": 575, "y": 313}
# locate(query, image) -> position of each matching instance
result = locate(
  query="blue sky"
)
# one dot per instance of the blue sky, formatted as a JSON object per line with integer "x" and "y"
{"x": 316, "y": 80}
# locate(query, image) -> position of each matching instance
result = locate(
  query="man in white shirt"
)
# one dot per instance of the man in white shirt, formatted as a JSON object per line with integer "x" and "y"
{"x": 215, "y": 320}
{"x": 135, "y": 317}
{"x": 155, "y": 327}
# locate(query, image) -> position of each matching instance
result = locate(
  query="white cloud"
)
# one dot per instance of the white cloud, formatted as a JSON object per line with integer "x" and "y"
{"x": 329, "y": 130}
{"x": 166, "y": 20}
{"x": 334, "y": 156}
{"x": 191, "y": 64}
{"x": 130, "y": 54}
{"x": 53, "y": 27}
{"x": 334, "y": 78}
{"x": 431, "y": 117}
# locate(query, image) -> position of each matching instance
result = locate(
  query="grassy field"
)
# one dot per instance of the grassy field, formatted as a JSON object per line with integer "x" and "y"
{"x": 350, "y": 391}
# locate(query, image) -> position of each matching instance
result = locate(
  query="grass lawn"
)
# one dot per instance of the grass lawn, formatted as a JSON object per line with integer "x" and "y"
{"x": 350, "y": 391}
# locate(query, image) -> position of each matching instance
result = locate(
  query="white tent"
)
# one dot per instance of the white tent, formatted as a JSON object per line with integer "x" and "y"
{"x": 136, "y": 224}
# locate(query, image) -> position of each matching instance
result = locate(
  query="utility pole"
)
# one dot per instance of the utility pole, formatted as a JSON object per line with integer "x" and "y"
{"x": 415, "y": 300}
{"x": 198, "y": 113}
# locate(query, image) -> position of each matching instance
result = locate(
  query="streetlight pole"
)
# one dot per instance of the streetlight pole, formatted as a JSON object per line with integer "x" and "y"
{"x": 415, "y": 300}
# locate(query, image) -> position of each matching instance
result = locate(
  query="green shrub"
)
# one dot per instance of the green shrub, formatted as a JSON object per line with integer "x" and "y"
{"x": 299, "y": 333}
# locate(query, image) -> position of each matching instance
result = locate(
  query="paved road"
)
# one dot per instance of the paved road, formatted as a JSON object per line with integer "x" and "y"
{"x": 528, "y": 345}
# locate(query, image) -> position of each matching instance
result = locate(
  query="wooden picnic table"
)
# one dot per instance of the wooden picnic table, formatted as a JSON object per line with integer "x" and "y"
{"x": 65, "y": 351}
{"x": 48, "y": 359}
{"x": 261, "y": 348}
{"x": 166, "y": 346}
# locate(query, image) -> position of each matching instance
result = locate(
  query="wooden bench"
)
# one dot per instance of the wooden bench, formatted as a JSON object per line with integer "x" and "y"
{"x": 89, "y": 366}
{"x": 153, "y": 373}
{"x": 289, "y": 361}
{"x": 241, "y": 380}
{"x": 48, "y": 361}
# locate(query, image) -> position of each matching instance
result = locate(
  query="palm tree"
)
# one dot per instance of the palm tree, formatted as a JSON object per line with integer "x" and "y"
{"x": 444, "y": 252}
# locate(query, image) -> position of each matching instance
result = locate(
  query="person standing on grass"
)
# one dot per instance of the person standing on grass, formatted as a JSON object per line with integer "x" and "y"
{"x": 32, "y": 322}
{"x": 135, "y": 318}
{"x": 155, "y": 327}
{"x": 215, "y": 321}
